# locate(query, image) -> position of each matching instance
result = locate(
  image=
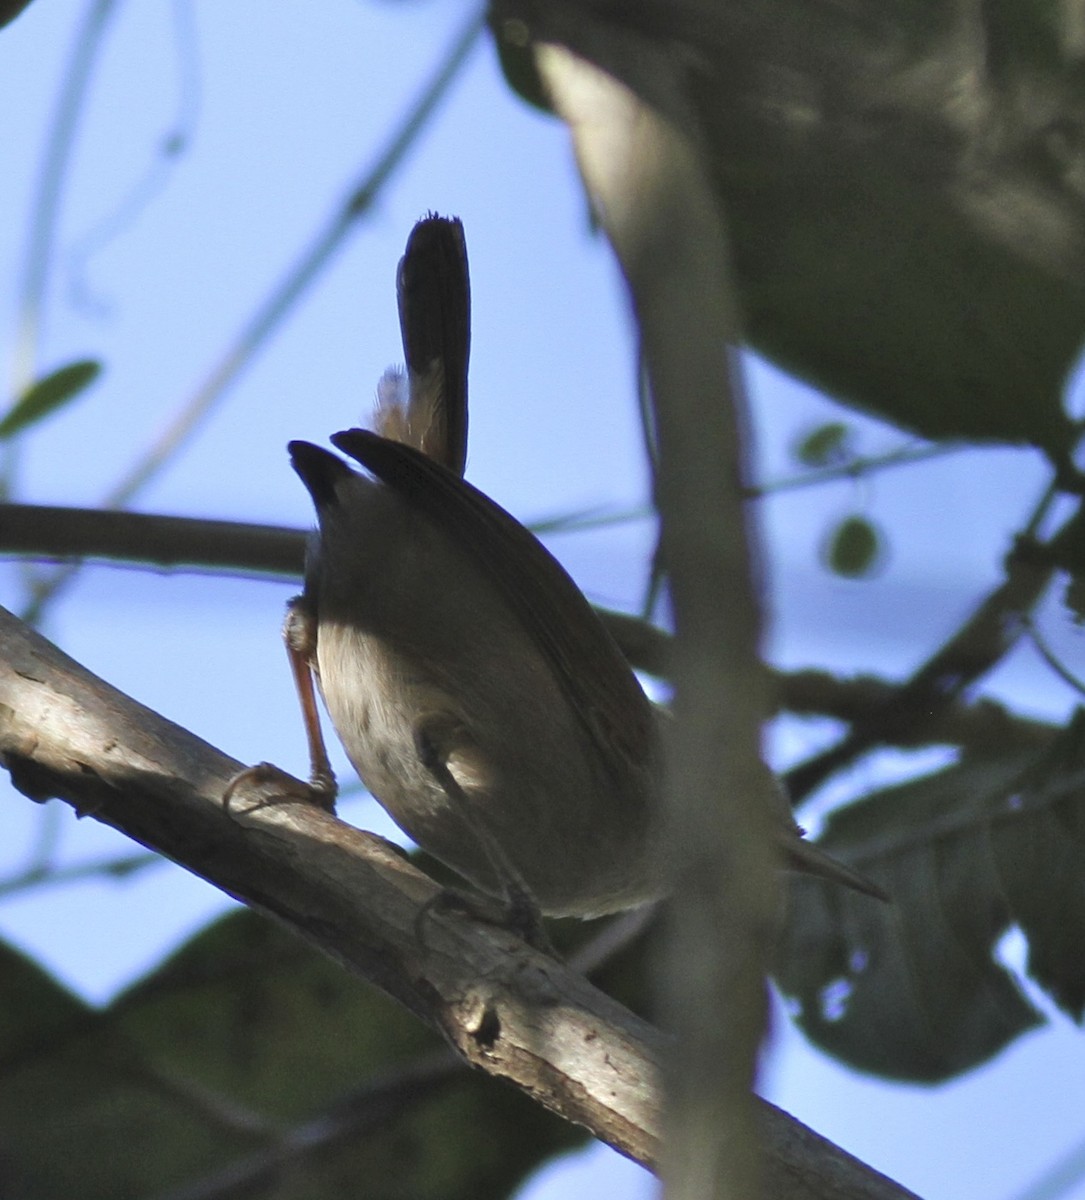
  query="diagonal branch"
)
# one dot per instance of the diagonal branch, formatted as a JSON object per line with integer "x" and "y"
{"x": 504, "y": 1008}
{"x": 982, "y": 641}
{"x": 65, "y": 733}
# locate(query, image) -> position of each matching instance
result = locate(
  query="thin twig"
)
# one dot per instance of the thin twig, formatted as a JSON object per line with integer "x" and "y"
{"x": 305, "y": 270}
{"x": 47, "y": 531}
{"x": 45, "y": 206}
{"x": 155, "y": 175}
{"x": 588, "y": 519}
{"x": 372, "y": 1106}
{"x": 980, "y": 725}
{"x": 857, "y": 467}
{"x": 233, "y": 547}
{"x": 44, "y": 875}
{"x": 1039, "y": 642}
{"x": 982, "y": 641}
{"x": 294, "y": 284}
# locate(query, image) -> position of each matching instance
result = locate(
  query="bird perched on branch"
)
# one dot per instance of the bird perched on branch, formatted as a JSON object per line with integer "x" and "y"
{"x": 475, "y": 691}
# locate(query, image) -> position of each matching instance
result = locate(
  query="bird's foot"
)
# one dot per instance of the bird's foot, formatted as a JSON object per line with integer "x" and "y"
{"x": 519, "y": 914}
{"x": 266, "y": 783}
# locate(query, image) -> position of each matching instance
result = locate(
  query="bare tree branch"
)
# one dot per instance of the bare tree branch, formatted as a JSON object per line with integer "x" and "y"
{"x": 263, "y": 551}
{"x": 986, "y": 636}
{"x": 506, "y": 1009}
{"x": 979, "y": 725}
{"x": 55, "y": 532}
{"x": 64, "y": 732}
{"x": 379, "y": 1101}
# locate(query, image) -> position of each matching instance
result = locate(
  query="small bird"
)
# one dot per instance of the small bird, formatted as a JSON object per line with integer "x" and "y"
{"x": 477, "y": 694}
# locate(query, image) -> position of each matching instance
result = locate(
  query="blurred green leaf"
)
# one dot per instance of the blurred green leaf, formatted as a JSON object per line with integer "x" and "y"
{"x": 917, "y": 252}
{"x": 855, "y": 548}
{"x": 828, "y": 445}
{"x": 913, "y": 990}
{"x": 882, "y": 247}
{"x": 48, "y": 394}
{"x": 210, "y": 1061}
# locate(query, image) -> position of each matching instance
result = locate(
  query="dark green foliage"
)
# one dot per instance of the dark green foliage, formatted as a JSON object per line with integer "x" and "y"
{"x": 212, "y": 1060}
{"x": 915, "y": 249}
{"x": 913, "y": 990}
{"x": 240, "y": 1042}
{"x": 827, "y": 445}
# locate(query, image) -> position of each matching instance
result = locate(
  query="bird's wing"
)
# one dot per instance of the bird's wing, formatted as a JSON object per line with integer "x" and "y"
{"x": 585, "y": 660}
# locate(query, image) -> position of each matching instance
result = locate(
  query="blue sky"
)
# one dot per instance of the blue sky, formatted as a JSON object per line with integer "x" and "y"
{"x": 292, "y": 102}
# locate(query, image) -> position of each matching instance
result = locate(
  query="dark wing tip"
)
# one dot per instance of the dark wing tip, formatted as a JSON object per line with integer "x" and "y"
{"x": 356, "y": 443}
{"x": 319, "y": 469}
{"x": 403, "y": 468}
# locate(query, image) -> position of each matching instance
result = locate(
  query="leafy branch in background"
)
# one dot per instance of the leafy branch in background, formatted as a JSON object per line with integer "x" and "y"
{"x": 860, "y": 207}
